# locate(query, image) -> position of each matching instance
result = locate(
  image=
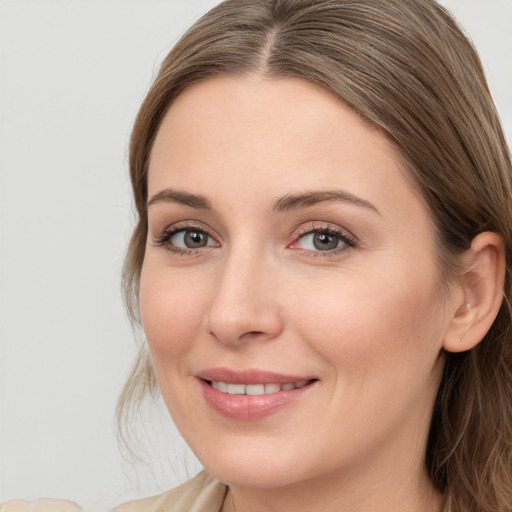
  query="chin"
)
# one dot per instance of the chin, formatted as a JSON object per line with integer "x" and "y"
{"x": 254, "y": 467}
{"x": 253, "y": 474}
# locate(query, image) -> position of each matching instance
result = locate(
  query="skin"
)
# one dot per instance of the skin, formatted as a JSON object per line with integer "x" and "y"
{"x": 368, "y": 321}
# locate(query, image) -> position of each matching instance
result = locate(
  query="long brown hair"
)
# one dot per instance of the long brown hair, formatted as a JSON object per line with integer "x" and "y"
{"x": 406, "y": 67}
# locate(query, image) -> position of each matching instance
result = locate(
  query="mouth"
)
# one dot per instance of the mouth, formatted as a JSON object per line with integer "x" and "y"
{"x": 251, "y": 395}
{"x": 257, "y": 389}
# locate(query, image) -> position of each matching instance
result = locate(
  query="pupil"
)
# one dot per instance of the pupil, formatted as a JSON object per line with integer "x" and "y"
{"x": 325, "y": 242}
{"x": 194, "y": 239}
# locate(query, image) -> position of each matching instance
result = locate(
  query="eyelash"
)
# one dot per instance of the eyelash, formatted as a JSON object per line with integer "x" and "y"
{"x": 164, "y": 238}
{"x": 349, "y": 242}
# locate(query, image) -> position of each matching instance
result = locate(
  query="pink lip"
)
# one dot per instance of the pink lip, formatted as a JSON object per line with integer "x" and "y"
{"x": 247, "y": 407}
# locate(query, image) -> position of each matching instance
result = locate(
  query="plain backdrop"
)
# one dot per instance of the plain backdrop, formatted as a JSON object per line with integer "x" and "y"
{"x": 72, "y": 75}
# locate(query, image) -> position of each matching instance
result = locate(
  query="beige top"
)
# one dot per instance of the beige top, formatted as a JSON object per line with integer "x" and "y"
{"x": 200, "y": 494}
{"x": 40, "y": 505}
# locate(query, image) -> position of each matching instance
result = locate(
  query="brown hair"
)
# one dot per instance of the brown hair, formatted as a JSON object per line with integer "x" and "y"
{"x": 406, "y": 67}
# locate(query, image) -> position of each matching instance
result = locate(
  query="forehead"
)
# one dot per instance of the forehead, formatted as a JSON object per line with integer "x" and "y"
{"x": 265, "y": 105}
{"x": 255, "y": 134}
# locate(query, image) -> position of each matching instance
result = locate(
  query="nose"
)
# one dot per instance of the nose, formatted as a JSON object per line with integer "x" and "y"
{"x": 244, "y": 305}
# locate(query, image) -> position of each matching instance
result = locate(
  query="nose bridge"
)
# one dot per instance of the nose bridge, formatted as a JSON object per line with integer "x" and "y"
{"x": 243, "y": 305}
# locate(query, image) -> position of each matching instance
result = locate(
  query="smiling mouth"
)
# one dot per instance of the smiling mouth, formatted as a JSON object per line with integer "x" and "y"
{"x": 252, "y": 395}
{"x": 257, "y": 389}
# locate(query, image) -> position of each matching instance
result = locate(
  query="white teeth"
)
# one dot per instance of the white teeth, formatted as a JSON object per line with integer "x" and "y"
{"x": 272, "y": 388}
{"x": 256, "y": 389}
{"x": 236, "y": 389}
{"x": 221, "y": 386}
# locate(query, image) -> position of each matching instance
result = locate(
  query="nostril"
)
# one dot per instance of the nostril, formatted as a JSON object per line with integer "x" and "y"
{"x": 252, "y": 335}
{"x": 233, "y": 320}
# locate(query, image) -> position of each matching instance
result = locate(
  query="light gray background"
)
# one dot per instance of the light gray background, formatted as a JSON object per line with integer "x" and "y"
{"x": 72, "y": 75}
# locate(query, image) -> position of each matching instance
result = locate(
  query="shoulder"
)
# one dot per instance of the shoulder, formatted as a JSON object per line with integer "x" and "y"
{"x": 40, "y": 505}
{"x": 200, "y": 494}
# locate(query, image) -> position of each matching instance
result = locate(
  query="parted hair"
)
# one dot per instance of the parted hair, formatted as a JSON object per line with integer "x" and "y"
{"x": 408, "y": 69}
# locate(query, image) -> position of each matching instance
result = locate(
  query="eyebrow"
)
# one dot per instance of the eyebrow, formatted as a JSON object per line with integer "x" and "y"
{"x": 303, "y": 200}
{"x": 289, "y": 202}
{"x": 177, "y": 196}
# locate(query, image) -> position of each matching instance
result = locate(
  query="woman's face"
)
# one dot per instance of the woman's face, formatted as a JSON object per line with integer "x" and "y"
{"x": 289, "y": 291}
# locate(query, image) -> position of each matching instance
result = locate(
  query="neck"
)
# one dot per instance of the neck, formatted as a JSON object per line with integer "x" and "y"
{"x": 408, "y": 494}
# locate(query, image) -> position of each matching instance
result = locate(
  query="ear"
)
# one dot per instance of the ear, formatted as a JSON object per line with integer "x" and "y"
{"x": 479, "y": 293}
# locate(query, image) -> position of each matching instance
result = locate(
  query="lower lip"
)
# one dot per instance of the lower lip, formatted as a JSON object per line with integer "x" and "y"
{"x": 250, "y": 407}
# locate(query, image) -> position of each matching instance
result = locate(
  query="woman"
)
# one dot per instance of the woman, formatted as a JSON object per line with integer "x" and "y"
{"x": 320, "y": 263}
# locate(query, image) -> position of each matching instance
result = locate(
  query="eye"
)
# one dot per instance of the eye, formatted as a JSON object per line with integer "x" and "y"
{"x": 323, "y": 239}
{"x": 320, "y": 242}
{"x": 190, "y": 239}
{"x": 184, "y": 240}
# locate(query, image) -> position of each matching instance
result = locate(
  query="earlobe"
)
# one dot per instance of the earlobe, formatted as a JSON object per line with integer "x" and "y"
{"x": 481, "y": 294}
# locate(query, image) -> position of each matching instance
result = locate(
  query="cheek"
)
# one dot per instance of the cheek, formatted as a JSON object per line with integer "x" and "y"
{"x": 374, "y": 324}
{"x": 171, "y": 312}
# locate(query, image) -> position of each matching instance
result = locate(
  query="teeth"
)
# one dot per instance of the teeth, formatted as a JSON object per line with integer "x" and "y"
{"x": 256, "y": 389}
{"x": 272, "y": 388}
{"x": 236, "y": 389}
{"x": 221, "y": 386}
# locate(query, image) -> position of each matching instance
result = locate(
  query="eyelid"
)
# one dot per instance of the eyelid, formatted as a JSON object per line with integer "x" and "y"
{"x": 349, "y": 240}
{"x": 164, "y": 236}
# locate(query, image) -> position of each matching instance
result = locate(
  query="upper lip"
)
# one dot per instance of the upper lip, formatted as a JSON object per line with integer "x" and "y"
{"x": 250, "y": 376}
